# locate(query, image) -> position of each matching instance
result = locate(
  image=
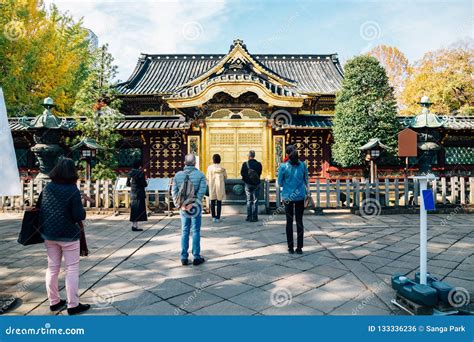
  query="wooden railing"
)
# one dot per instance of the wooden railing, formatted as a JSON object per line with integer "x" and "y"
{"x": 101, "y": 192}
{"x": 388, "y": 192}
{"x": 326, "y": 194}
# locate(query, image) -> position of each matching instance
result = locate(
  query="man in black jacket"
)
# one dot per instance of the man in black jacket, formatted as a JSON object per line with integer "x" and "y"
{"x": 251, "y": 171}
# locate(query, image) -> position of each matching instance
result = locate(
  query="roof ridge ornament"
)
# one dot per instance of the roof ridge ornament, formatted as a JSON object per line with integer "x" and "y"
{"x": 238, "y": 41}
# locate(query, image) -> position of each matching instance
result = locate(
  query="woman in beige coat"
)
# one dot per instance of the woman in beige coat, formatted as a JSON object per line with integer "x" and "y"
{"x": 216, "y": 177}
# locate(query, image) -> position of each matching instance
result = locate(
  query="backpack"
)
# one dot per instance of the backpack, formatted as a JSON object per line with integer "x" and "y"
{"x": 253, "y": 175}
{"x": 185, "y": 194}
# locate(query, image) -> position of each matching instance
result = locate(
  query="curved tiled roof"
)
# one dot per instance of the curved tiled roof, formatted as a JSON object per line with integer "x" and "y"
{"x": 300, "y": 120}
{"x": 164, "y": 74}
{"x": 129, "y": 122}
{"x": 236, "y": 78}
{"x": 458, "y": 122}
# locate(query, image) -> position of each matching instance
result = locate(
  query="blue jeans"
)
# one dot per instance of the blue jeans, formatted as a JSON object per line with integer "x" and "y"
{"x": 251, "y": 191}
{"x": 187, "y": 224}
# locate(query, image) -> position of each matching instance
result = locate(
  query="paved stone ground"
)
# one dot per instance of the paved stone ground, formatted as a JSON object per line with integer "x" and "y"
{"x": 345, "y": 269}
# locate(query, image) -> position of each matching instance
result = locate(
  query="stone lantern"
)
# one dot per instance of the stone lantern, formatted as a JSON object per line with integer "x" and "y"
{"x": 373, "y": 149}
{"x": 88, "y": 148}
{"x": 427, "y": 125}
{"x": 46, "y": 134}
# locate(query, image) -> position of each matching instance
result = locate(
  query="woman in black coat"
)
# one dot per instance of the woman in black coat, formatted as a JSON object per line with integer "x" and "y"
{"x": 137, "y": 182}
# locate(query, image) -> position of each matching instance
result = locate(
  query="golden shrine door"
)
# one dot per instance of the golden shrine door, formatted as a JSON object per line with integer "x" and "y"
{"x": 232, "y": 136}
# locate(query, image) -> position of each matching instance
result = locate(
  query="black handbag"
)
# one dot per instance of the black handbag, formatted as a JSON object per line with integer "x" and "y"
{"x": 30, "y": 227}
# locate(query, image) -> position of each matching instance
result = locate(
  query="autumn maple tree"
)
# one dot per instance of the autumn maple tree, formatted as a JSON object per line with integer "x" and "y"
{"x": 396, "y": 66}
{"x": 42, "y": 53}
{"x": 445, "y": 76}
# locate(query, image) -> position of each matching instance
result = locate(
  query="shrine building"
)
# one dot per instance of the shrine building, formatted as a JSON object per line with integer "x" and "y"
{"x": 235, "y": 102}
{"x": 230, "y": 104}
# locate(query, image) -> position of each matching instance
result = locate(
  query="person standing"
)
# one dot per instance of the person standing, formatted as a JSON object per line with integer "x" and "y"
{"x": 61, "y": 213}
{"x": 216, "y": 177}
{"x": 293, "y": 179}
{"x": 136, "y": 180}
{"x": 251, "y": 171}
{"x": 189, "y": 187}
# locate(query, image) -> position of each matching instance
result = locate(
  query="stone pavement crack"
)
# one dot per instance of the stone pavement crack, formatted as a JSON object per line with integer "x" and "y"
{"x": 353, "y": 264}
{"x": 110, "y": 254}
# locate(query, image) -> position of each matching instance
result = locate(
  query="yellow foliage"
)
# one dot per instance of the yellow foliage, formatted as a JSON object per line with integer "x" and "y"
{"x": 396, "y": 66}
{"x": 446, "y": 76}
{"x": 47, "y": 58}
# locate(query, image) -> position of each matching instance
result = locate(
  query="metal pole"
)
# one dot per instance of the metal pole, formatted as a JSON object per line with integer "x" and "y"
{"x": 372, "y": 170}
{"x": 423, "y": 233}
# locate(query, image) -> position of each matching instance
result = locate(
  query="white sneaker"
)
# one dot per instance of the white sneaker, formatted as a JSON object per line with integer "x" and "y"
{"x": 215, "y": 220}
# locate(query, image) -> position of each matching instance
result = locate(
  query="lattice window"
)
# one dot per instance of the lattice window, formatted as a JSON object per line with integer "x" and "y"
{"x": 459, "y": 155}
{"x": 250, "y": 139}
{"x": 22, "y": 157}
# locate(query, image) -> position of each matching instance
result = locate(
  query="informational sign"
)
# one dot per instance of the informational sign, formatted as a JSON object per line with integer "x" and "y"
{"x": 407, "y": 143}
{"x": 121, "y": 184}
{"x": 428, "y": 199}
{"x": 158, "y": 184}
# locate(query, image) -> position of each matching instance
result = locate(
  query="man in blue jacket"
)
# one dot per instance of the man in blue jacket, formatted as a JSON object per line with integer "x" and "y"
{"x": 191, "y": 215}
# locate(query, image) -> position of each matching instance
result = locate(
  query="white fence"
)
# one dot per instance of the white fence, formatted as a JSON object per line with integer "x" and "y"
{"x": 388, "y": 192}
{"x": 101, "y": 192}
{"x": 326, "y": 194}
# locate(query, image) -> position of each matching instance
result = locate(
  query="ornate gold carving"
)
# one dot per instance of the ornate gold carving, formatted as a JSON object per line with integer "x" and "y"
{"x": 223, "y": 139}
{"x": 233, "y": 138}
{"x": 239, "y": 53}
{"x": 236, "y": 89}
{"x": 251, "y": 139}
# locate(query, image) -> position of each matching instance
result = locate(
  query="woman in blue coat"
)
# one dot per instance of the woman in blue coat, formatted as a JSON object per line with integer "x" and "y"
{"x": 293, "y": 179}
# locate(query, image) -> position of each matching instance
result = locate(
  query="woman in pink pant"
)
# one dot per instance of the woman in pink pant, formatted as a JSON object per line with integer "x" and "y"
{"x": 61, "y": 211}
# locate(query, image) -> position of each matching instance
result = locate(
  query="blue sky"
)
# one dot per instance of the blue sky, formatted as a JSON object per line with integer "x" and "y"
{"x": 271, "y": 26}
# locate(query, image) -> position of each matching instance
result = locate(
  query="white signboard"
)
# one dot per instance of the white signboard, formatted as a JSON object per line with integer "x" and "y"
{"x": 121, "y": 184}
{"x": 9, "y": 177}
{"x": 158, "y": 184}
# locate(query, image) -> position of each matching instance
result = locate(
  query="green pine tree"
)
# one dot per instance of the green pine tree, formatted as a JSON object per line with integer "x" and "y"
{"x": 365, "y": 109}
{"x": 97, "y": 107}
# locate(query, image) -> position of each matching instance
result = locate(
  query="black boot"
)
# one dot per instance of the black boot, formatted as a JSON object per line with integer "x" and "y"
{"x": 199, "y": 261}
{"x": 78, "y": 309}
{"x": 136, "y": 229}
{"x": 58, "y": 306}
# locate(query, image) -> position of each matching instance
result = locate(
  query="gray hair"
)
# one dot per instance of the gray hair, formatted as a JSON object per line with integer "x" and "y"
{"x": 252, "y": 154}
{"x": 190, "y": 159}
